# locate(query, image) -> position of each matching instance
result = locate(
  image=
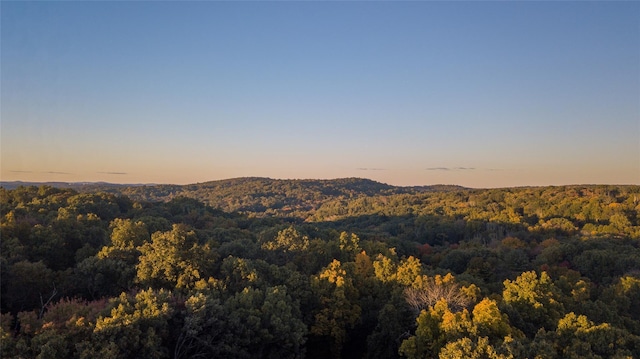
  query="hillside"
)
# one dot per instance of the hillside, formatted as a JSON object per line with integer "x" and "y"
{"x": 252, "y": 195}
{"x": 263, "y": 195}
{"x": 359, "y": 270}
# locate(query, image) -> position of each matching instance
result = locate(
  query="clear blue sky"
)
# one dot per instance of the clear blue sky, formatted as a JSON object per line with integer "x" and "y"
{"x": 480, "y": 94}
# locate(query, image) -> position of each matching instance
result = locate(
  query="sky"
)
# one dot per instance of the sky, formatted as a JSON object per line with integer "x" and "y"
{"x": 478, "y": 94}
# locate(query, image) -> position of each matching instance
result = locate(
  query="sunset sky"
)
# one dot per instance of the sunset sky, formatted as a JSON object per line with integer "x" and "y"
{"x": 479, "y": 94}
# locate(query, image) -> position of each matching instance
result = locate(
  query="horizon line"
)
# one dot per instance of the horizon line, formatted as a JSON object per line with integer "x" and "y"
{"x": 299, "y": 179}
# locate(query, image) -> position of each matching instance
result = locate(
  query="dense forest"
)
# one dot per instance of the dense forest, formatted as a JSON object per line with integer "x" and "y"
{"x": 349, "y": 268}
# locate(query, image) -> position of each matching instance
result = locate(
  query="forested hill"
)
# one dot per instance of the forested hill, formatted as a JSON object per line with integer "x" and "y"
{"x": 256, "y": 196}
{"x": 264, "y": 196}
{"x": 365, "y": 270}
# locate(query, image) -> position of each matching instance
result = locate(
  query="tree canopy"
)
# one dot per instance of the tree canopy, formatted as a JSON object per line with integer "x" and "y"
{"x": 348, "y": 268}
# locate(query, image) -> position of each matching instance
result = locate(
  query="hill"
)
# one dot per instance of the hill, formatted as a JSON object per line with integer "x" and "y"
{"x": 256, "y": 196}
{"x": 366, "y": 270}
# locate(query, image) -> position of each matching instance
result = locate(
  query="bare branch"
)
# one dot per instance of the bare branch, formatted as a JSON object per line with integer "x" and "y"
{"x": 427, "y": 296}
{"x": 43, "y": 304}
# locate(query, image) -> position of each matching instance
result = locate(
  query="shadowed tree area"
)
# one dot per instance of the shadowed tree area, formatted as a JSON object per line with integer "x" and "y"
{"x": 350, "y": 268}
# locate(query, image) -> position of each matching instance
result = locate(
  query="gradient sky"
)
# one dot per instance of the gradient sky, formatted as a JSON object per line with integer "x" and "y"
{"x": 479, "y": 94}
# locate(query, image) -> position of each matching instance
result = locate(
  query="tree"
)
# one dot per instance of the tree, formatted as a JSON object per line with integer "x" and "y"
{"x": 489, "y": 321}
{"x": 136, "y": 327}
{"x": 127, "y": 234}
{"x": 288, "y": 240}
{"x": 113, "y": 270}
{"x": 64, "y": 327}
{"x": 238, "y": 273}
{"x": 385, "y": 269}
{"x": 579, "y": 337}
{"x": 427, "y": 291}
{"x": 460, "y": 334}
{"x": 349, "y": 245}
{"x": 288, "y": 245}
{"x": 532, "y": 301}
{"x": 408, "y": 271}
{"x": 467, "y": 348}
{"x": 203, "y": 328}
{"x": 32, "y": 286}
{"x": 339, "y": 310}
{"x": 392, "y": 324}
{"x": 428, "y": 337}
{"x": 173, "y": 259}
{"x": 267, "y": 323}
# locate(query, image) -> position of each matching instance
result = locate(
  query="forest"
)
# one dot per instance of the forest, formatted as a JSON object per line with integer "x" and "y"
{"x": 347, "y": 268}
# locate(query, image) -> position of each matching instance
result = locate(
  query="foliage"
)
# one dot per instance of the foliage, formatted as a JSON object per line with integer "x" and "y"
{"x": 256, "y": 267}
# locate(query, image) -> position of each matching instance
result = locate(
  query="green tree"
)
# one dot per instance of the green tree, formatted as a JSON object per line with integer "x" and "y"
{"x": 173, "y": 259}
{"x": 579, "y": 337}
{"x": 136, "y": 327}
{"x": 408, "y": 271}
{"x": 127, "y": 234}
{"x": 66, "y": 325}
{"x": 203, "y": 329}
{"x": 428, "y": 337}
{"x": 349, "y": 245}
{"x": 467, "y": 348}
{"x": 489, "y": 321}
{"x": 338, "y": 310}
{"x": 532, "y": 302}
{"x": 392, "y": 324}
{"x": 288, "y": 240}
{"x": 268, "y": 322}
{"x": 113, "y": 269}
{"x": 30, "y": 286}
{"x": 288, "y": 246}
